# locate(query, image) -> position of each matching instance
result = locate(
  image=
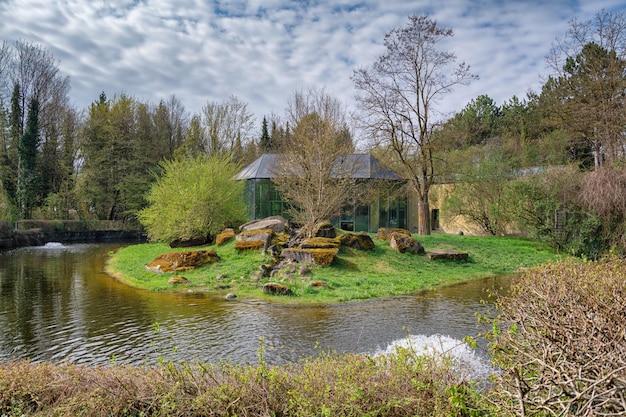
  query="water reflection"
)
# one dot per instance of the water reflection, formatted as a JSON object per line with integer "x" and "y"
{"x": 57, "y": 304}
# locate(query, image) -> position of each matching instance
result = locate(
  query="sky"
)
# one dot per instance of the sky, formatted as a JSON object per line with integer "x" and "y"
{"x": 263, "y": 51}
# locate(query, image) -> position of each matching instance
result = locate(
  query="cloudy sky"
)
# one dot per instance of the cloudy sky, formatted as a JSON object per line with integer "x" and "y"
{"x": 261, "y": 51}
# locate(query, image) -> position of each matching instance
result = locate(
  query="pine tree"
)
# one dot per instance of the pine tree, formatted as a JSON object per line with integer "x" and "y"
{"x": 266, "y": 140}
{"x": 27, "y": 178}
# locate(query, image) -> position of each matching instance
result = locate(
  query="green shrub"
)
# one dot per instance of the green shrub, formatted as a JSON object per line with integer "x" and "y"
{"x": 194, "y": 197}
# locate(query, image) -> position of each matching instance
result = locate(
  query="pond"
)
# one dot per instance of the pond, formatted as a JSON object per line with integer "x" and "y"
{"x": 57, "y": 304}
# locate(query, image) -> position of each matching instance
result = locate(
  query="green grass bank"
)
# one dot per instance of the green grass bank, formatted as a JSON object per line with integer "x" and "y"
{"x": 353, "y": 275}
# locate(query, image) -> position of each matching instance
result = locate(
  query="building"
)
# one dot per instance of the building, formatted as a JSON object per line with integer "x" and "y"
{"x": 388, "y": 208}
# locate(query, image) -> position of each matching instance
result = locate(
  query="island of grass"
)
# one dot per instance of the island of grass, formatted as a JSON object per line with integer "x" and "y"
{"x": 353, "y": 275}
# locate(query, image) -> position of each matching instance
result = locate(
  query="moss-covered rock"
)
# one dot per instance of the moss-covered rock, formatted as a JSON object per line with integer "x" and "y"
{"x": 225, "y": 236}
{"x": 249, "y": 245}
{"x": 177, "y": 280}
{"x": 384, "y": 233}
{"x": 324, "y": 229}
{"x": 182, "y": 261}
{"x": 274, "y": 288}
{"x": 321, "y": 257}
{"x": 406, "y": 244}
{"x": 360, "y": 241}
{"x": 320, "y": 243}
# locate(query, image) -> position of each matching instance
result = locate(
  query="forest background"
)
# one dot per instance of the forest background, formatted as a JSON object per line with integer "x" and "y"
{"x": 549, "y": 165}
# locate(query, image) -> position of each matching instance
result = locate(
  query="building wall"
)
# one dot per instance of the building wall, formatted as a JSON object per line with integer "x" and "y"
{"x": 444, "y": 224}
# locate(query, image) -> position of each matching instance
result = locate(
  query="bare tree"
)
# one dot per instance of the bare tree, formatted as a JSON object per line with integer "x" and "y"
{"x": 398, "y": 97}
{"x": 228, "y": 125}
{"x": 314, "y": 172}
{"x": 171, "y": 121}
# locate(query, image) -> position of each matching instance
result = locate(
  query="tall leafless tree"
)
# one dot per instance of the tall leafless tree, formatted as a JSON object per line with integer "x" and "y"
{"x": 398, "y": 97}
{"x": 228, "y": 125}
{"x": 314, "y": 172}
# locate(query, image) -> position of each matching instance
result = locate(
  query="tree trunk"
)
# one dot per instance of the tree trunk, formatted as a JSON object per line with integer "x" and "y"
{"x": 423, "y": 218}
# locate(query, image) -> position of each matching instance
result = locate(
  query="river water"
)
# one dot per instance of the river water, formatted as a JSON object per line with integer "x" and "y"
{"x": 57, "y": 304}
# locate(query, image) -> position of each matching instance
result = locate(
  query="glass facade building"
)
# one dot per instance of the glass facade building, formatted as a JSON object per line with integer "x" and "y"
{"x": 387, "y": 209}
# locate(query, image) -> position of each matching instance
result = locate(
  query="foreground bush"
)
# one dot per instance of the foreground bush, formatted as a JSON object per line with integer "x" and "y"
{"x": 402, "y": 384}
{"x": 561, "y": 341}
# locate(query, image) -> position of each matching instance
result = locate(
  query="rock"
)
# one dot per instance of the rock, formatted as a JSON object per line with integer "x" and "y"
{"x": 319, "y": 243}
{"x": 177, "y": 280}
{"x": 304, "y": 269}
{"x": 266, "y": 269}
{"x": 256, "y": 275}
{"x": 285, "y": 267}
{"x": 254, "y": 239}
{"x": 360, "y": 241}
{"x": 230, "y": 296}
{"x": 274, "y": 288}
{"x": 321, "y": 257}
{"x": 225, "y": 236}
{"x": 406, "y": 244}
{"x": 182, "y": 261}
{"x": 249, "y": 245}
{"x": 451, "y": 255}
{"x": 194, "y": 241}
{"x": 318, "y": 283}
{"x": 384, "y": 233}
{"x": 273, "y": 251}
{"x": 277, "y": 224}
{"x": 324, "y": 229}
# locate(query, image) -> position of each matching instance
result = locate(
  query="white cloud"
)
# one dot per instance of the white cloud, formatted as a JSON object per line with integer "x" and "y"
{"x": 263, "y": 50}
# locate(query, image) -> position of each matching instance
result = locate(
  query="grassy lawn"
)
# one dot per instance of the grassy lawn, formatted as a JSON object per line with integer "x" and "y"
{"x": 354, "y": 275}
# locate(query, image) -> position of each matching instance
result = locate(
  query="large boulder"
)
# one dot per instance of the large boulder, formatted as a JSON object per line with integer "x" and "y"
{"x": 360, "y": 241}
{"x": 182, "y": 261}
{"x": 254, "y": 239}
{"x": 321, "y": 257}
{"x": 384, "y": 233}
{"x": 278, "y": 224}
{"x": 406, "y": 244}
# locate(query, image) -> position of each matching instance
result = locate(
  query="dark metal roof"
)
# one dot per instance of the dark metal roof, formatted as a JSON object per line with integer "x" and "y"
{"x": 362, "y": 166}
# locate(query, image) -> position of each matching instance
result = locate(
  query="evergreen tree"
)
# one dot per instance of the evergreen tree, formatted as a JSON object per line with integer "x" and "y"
{"x": 266, "y": 139}
{"x": 27, "y": 178}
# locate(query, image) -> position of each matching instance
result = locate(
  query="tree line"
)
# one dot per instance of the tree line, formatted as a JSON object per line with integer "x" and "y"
{"x": 60, "y": 162}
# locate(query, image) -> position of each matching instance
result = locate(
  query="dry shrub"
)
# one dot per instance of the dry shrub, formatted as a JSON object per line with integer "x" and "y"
{"x": 560, "y": 341}
{"x": 604, "y": 194}
{"x": 331, "y": 385}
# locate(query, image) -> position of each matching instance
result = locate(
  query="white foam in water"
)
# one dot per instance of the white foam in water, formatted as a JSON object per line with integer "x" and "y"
{"x": 464, "y": 359}
{"x": 54, "y": 245}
